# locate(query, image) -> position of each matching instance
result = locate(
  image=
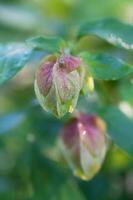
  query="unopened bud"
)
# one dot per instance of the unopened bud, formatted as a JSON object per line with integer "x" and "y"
{"x": 58, "y": 83}
{"x": 83, "y": 144}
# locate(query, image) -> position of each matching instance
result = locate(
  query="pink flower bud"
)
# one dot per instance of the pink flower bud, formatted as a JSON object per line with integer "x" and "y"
{"x": 83, "y": 144}
{"x": 58, "y": 83}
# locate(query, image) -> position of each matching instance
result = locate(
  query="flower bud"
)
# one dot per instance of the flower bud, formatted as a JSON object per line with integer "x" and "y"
{"x": 58, "y": 83}
{"x": 83, "y": 144}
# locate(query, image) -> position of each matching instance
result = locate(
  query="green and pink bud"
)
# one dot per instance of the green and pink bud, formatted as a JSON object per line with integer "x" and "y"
{"x": 83, "y": 143}
{"x": 58, "y": 83}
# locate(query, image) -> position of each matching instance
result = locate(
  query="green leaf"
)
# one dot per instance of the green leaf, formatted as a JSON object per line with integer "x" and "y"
{"x": 106, "y": 67}
{"x": 110, "y": 30}
{"x": 120, "y": 128}
{"x": 13, "y": 58}
{"x": 49, "y": 44}
{"x": 10, "y": 121}
{"x": 70, "y": 191}
{"x": 125, "y": 91}
{"x": 51, "y": 182}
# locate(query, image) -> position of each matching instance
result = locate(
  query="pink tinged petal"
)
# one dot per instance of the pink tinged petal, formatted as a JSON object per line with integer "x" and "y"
{"x": 91, "y": 134}
{"x": 44, "y": 77}
{"x": 70, "y": 63}
{"x": 70, "y": 138}
{"x": 70, "y": 133}
{"x": 65, "y": 83}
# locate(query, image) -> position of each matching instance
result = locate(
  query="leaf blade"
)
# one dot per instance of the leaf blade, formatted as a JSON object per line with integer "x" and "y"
{"x": 13, "y": 58}
{"x": 119, "y": 127}
{"x": 105, "y": 67}
{"x": 49, "y": 44}
{"x": 111, "y": 30}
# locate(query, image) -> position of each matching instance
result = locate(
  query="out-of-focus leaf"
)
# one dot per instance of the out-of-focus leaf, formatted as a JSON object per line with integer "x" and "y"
{"x": 44, "y": 126}
{"x": 10, "y": 121}
{"x": 106, "y": 67}
{"x": 101, "y": 185}
{"x": 110, "y": 30}
{"x": 125, "y": 90}
{"x": 70, "y": 191}
{"x": 120, "y": 128}
{"x": 117, "y": 159}
{"x": 48, "y": 44}
{"x": 13, "y": 57}
{"x": 6, "y": 189}
{"x": 50, "y": 181}
{"x": 12, "y": 15}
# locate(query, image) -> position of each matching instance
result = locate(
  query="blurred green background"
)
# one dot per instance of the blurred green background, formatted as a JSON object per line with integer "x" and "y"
{"x": 31, "y": 167}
